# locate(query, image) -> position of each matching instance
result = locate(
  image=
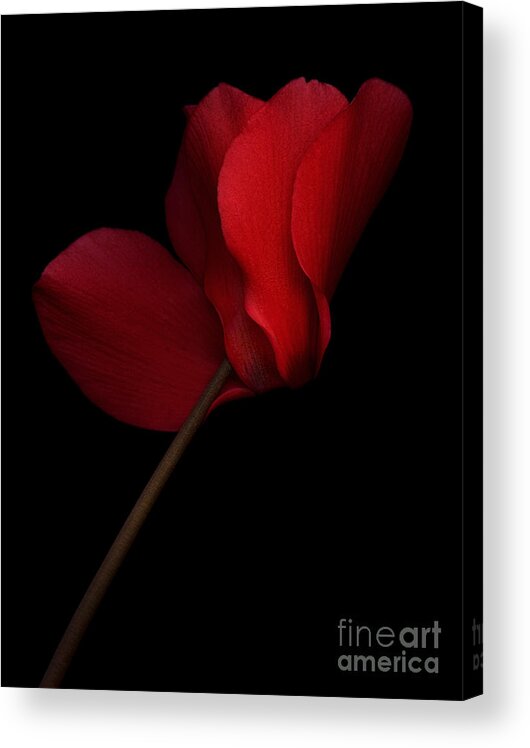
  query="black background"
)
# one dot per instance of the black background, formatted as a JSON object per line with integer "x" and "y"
{"x": 289, "y": 511}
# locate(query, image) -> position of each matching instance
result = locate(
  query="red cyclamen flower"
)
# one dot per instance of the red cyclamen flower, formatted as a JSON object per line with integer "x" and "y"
{"x": 266, "y": 204}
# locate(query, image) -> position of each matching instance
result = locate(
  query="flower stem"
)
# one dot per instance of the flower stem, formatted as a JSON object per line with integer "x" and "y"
{"x": 98, "y": 587}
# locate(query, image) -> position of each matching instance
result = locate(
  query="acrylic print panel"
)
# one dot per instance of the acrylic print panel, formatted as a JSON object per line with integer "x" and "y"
{"x": 303, "y": 513}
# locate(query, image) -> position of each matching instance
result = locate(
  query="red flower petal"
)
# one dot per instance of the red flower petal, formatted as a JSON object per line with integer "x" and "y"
{"x": 343, "y": 176}
{"x": 255, "y": 199}
{"x": 195, "y": 228}
{"x": 131, "y": 327}
{"x": 191, "y": 202}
